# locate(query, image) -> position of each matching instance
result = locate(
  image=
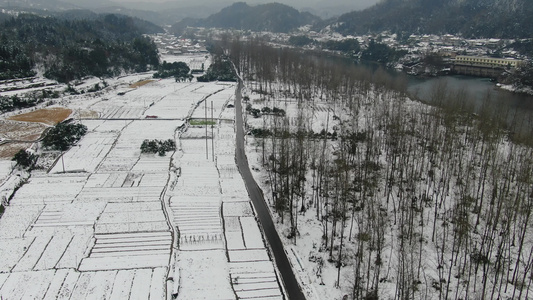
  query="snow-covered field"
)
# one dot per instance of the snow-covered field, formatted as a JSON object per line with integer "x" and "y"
{"x": 97, "y": 231}
{"x": 220, "y": 240}
{"x": 5, "y": 168}
{"x": 100, "y": 223}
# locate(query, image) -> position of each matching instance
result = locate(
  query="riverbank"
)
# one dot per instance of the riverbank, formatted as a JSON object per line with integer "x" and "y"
{"x": 416, "y": 72}
{"x": 476, "y": 93}
{"x": 508, "y": 87}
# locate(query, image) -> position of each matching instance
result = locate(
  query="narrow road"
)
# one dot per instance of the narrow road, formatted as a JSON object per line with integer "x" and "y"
{"x": 282, "y": 262}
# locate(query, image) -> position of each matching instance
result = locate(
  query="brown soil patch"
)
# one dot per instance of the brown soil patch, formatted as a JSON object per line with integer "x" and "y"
{"x": 141, "y": 83}
{"x": 20, "y": 131}
{"x": 49, "y": 116}
{"x": 88, "y": 114}
{"x": 7, "y": 151}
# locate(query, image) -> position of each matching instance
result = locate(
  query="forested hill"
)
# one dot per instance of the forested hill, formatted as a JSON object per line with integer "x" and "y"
{"x": 471, "y": 18}
{"x": 66, "y": 50}
{"x": 274, "y": 17}
{"x": 141, "y": 25}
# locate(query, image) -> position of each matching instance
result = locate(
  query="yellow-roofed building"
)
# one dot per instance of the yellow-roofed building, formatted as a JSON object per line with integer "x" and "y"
{"x": 490, "y": 62}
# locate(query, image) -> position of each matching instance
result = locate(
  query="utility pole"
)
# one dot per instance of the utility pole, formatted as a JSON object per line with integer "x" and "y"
{"x": 63, "y": 161}
{"x": 206, "y": 142}
{"x": 212, "y": 133}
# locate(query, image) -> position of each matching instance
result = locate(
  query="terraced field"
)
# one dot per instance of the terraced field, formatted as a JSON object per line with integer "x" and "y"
{"x": 108, "y": 222}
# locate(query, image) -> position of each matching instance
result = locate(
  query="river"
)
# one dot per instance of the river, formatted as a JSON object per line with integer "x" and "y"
{"x": 479, "y": 91}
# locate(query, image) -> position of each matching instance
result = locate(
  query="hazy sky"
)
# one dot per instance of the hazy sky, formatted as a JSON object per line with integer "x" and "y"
{"x": 179, "y": 9}
{"x": 295, "y": 3}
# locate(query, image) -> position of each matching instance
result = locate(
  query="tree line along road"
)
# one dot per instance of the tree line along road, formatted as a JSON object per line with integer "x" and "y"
{"x": 282, "y": 262}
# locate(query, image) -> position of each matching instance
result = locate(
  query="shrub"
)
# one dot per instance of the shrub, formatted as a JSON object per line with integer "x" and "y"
{"x": 256, "y": 113}
{"x": 14, "y": 102}
{"x": 157, "y": 146}
{"x": 220, "y": 70}
{"x": 278, "y": 112}
{"x": 25, "y": 159}
{"x": 201, "y": 122}
{"x": 179, "y": 70}
{"x": 64, "y": 135}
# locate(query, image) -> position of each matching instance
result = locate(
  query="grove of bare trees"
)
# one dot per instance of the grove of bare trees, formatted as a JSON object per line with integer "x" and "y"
{"x": 415, "y": 201}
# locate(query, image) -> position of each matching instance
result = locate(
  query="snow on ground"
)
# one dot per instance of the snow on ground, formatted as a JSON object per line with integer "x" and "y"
{"x": 71, "y": 284}
{"x": 251, "y": 269}
{"x": 126, "y": 151}
{"x": 217, "y": 101}
{"x": 133, "y": 250}
{"x": 99, "y": 230}
{"x": 93, "y": 223}
{"x": 25, "y": 85}
{"x": 310, "y": 263}
{"x": 210, "y": 203}
{"x": 195, "y": 202}
{"x": 132, "y": 102}
{"x": 194, "y": 61}
{"x": 49, "y": 189}
{"x": 204, "y": 275}
{"x": 300, "y": 255}
{"x": 511, "y": 88}
{"x": 97, "y": 225}
{"x": 87, "y": 154}
{"x": 7, "y": 179}
{"x": 320, "y": 114}
{"x": 171, "y": 106}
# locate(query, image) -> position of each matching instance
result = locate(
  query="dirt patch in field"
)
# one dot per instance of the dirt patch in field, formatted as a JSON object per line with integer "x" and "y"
{"x": 48, "y": 116}
{"x": 20, "y": 131}
{"x": 7, "y": 151}
{"x": 17, "y": 136}
{"x": 88, "y": 114}
{"x": 141, "y": 83}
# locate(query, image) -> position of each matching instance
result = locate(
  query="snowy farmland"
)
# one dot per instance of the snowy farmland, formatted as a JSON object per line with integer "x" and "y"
{"x": 219, "y": 237}
{"x": 106, "y": 221}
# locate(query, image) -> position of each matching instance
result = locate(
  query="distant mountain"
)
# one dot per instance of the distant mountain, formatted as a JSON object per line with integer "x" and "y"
{"x": 76, "y": 14}
{"x": 330, "y": 8}
{"x": 143, "y": 26}
{"x": 72, "y": 49}
{"x": 148, "y": 15}
{"x": 76, "y": 7}
{"x": 171, "y": 11}
{"x": 180, "y": 9}
{"x": 471, "y": 18}
{"x": 175, "y": 11}
{"x": 54, "y": 5}
{"x": 274, "y": 17}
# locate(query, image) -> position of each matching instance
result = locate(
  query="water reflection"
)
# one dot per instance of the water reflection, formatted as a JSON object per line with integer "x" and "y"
{"x": 479, "y": 94}
{"x": 478, "y": 90}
